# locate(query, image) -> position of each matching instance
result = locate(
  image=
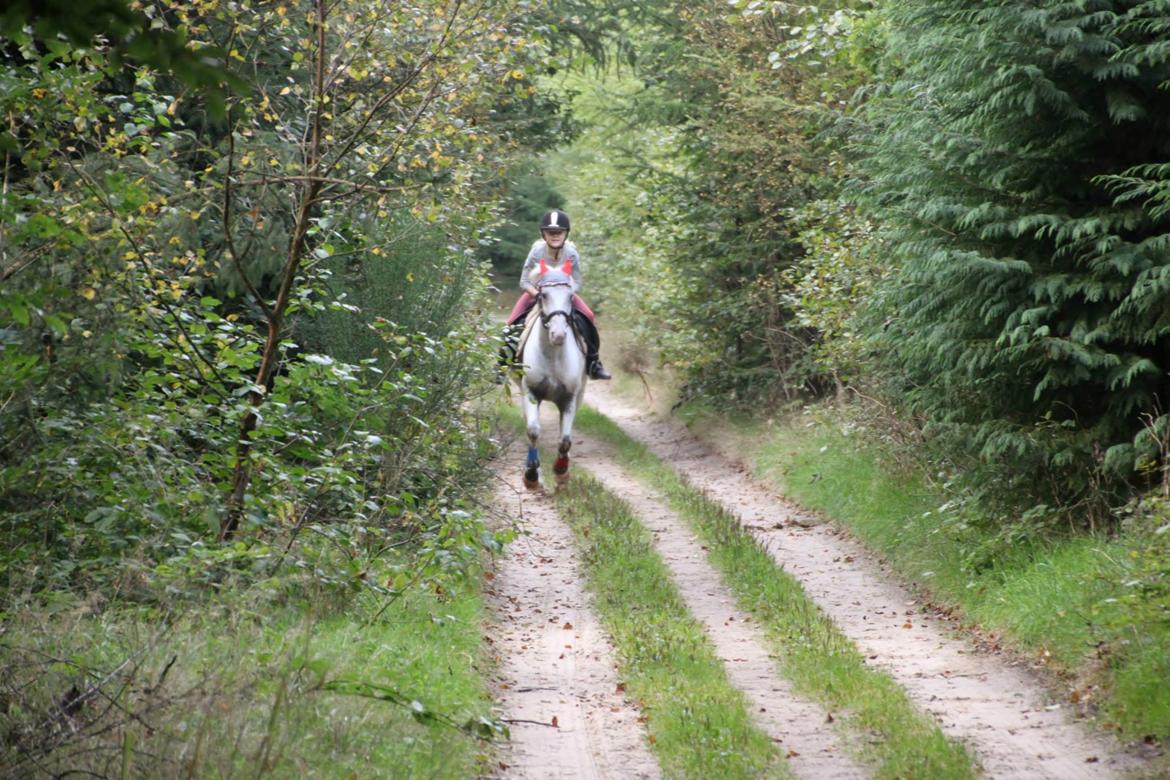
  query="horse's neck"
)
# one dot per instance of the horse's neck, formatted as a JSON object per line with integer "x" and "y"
{"x": 551, "y": 355}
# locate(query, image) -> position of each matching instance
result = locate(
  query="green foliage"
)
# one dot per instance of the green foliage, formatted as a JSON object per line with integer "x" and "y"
{"x": 289, "y": 295}
{"x": 528, "y": 198}
{"x": 143, "y": 250}
{"x": 137, "y": 32}
{"x": 726, "y": 147}
{"x": 1014, "y": 165}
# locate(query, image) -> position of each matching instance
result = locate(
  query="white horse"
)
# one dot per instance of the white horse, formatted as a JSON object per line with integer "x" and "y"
{"x": 554, "y": 367}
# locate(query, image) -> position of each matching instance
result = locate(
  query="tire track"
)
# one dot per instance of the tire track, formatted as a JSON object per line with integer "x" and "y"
{"x": 812, "y": 749}
{"x": 556, "y": 683}
{"x": 1001, "y": 711}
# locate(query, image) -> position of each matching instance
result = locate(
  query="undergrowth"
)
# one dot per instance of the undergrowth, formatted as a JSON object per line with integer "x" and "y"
{"x": 322, "y": 686}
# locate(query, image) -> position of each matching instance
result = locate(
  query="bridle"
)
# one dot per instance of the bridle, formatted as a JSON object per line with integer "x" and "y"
{"x": 545, "y": 319}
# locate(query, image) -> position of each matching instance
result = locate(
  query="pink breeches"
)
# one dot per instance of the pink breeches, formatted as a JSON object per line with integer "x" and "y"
{"x": 525, "y": 303}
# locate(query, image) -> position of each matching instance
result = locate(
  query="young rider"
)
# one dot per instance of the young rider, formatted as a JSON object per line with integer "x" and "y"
{"x": 555, "y": 248}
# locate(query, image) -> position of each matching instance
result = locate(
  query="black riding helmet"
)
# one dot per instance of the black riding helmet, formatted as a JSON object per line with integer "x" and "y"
{"x": 554, "y": 219}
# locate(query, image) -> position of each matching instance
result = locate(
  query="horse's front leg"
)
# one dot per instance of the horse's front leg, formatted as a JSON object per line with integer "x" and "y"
{"x": 561, "y": 465}
{"x": 532, "y": 465}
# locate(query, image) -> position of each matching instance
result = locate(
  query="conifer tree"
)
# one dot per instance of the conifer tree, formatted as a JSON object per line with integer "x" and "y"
{"x": 1018, "y": 159}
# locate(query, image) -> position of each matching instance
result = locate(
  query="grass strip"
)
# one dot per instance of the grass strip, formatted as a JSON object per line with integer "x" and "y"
{"x": 1092, "y": 606}
{"x": 250, "y": 688}
{"x": 698, "y": 721}
{"x": 894, "y": 736}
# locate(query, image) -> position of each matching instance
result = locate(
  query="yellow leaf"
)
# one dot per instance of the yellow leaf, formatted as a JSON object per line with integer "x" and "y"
{"x": 89, "y": 293}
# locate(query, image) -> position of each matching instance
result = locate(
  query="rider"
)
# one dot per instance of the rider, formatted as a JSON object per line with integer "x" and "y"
{"x": 555, "y": 248}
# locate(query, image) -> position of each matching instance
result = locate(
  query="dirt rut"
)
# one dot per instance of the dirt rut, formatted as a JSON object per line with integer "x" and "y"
{"x": 799, "y": 726}
{"x": 557, "y": 686}
{"x": 1002, "y": 711}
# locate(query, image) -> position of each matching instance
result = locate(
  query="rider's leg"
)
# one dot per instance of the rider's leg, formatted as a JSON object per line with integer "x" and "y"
{"x": 592, "y": 345}
{"x": 523, "y": 304}
{"x": 580, "y": 305}
{"x": 515, "y": 324}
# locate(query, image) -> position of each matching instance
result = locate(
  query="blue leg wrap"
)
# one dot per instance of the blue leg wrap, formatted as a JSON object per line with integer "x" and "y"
{"x": 533, "y": 456}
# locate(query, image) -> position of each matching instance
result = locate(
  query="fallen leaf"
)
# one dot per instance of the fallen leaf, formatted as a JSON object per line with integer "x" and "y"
{"x": 568, "y": 626}
{"x": 555, "y": 725}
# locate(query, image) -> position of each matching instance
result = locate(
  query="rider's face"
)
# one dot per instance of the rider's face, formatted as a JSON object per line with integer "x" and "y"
{"x": 554, "y": 238}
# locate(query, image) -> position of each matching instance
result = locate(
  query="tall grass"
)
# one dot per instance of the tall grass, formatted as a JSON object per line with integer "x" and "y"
{"x": 249, "y": 689}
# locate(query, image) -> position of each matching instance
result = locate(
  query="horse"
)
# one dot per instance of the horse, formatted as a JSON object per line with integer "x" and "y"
{"x": 554, "y": 367}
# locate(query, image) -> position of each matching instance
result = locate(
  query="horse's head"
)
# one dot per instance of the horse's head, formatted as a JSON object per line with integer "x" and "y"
{"x": 545, "y": 270}
{"x": 555, "y": 298}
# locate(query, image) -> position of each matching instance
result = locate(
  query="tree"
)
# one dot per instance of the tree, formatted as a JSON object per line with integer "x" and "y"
{"x": 1027, "y": 316}
{"x": 745, "y": 97}
{"x": 158, "y": 264}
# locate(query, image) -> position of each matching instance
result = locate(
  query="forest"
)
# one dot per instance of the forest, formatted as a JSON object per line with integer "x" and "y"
{"x": 250, "y": 256}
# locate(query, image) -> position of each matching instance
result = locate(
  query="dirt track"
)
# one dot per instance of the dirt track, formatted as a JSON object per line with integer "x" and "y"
{"x": 558, "y": 682}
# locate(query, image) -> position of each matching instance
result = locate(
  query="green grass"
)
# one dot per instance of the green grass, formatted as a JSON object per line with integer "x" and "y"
{"x": 1087, "y": 605}
{"x": 253, "y": 690}
{"x": 895, "y": 738}
{"x": 698, "y": 722}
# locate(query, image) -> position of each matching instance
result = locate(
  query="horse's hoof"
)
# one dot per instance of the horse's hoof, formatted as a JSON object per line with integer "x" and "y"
{"x": 532, "y": 484}
{"x": 563, "y": 477}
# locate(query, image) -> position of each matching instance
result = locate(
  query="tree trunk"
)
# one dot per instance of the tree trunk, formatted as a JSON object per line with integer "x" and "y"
{"x": 311, "y": 190}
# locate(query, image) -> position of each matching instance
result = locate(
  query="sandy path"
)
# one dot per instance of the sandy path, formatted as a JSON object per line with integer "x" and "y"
{"x": 1002, "y": 711}
{"x": 557, "y": 686}
{"x": 796, "y": 724}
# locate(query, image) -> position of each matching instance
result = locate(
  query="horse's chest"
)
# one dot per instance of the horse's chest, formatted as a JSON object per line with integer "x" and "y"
{"x": 549, "y": 388}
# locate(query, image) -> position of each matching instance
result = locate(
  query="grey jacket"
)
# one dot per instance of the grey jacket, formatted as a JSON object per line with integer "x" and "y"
{"x": 540, "y": 250}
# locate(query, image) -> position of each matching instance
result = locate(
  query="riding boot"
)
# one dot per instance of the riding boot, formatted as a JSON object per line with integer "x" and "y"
{"x": 596, "y": 370}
